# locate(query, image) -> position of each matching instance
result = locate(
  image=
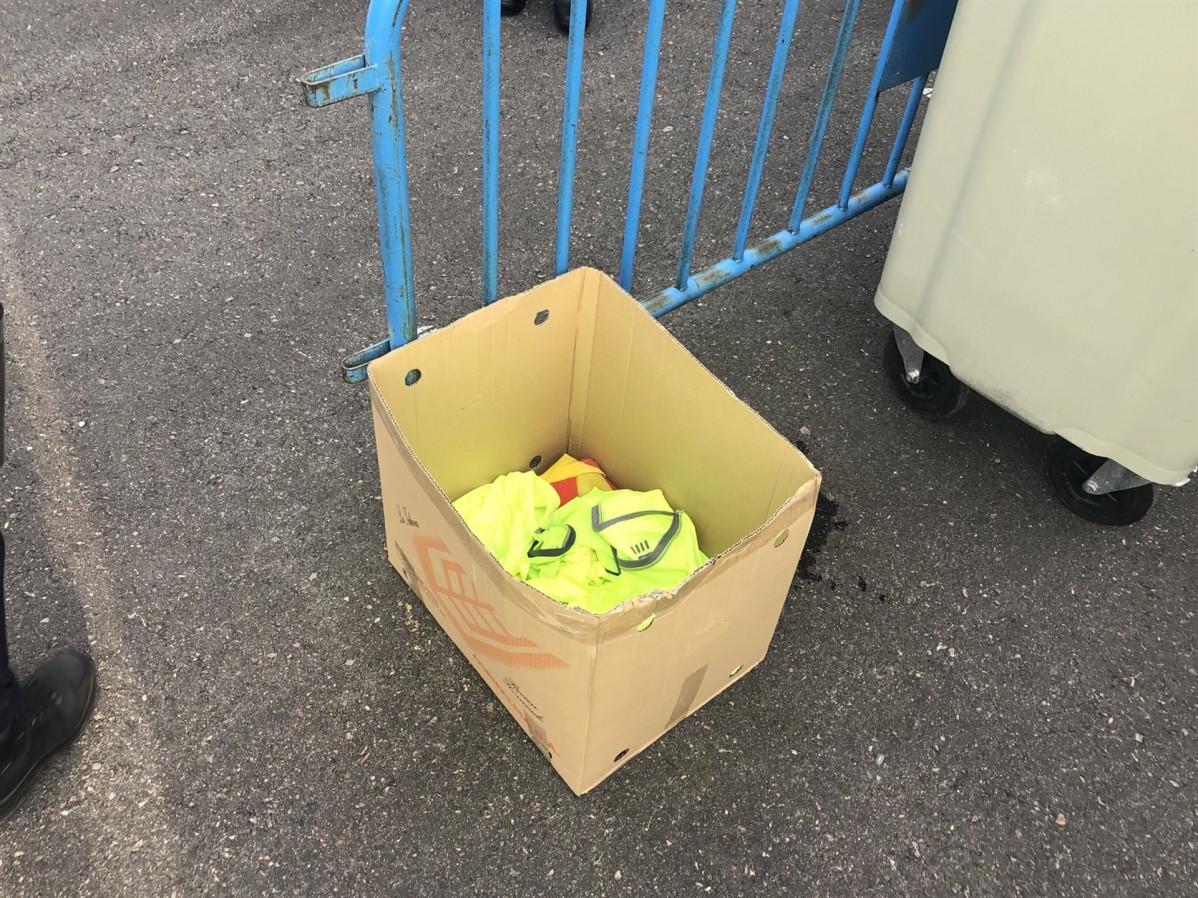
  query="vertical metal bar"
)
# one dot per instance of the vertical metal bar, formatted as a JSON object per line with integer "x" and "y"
{"x": 823, "y": 116}
{"x": 389, "y": 151}
{"x": 904, "y": 129}
{"x": 711, "y": 107}
{"x": 565, "y": 187}
{"x": 871, "y": 105}
{"x": 777, "y": 71}
{"x": 490, "y": 151}
{"x": 640, "y": 144}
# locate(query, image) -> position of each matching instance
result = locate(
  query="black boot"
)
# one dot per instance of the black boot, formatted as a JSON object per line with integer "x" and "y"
{"x": 511, "y": 7}
{"x": 55, "y": 701}
{"x": 561, "y": 14}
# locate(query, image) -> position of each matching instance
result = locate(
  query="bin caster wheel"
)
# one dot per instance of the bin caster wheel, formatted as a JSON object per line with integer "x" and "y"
{"x": 561, "y": 14}
{"x": 1067, "y": 468}
{"x": 936, "y": 395}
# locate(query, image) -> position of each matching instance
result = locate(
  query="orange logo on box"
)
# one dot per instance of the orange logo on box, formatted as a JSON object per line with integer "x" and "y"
{"x": 476, "y": 621}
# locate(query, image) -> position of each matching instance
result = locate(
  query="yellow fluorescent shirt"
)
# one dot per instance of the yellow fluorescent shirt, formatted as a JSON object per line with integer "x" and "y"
{"x": 594, "y": 552}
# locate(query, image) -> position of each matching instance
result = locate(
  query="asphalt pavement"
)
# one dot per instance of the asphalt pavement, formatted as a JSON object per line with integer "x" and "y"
{"x": 970, "y": 692}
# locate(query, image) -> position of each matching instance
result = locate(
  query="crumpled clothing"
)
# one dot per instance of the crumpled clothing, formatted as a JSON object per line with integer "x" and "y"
{"x": 595, "y": 551}
{"x": 505, "y": 513}
{"x": 608, "y": 547}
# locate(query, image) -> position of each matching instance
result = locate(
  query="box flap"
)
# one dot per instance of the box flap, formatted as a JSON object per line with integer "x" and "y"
{"x": 491, "y": 392}
{"x": 655, "y": 417}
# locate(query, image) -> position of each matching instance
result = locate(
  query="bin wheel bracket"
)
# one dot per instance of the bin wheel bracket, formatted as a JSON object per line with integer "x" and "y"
{"x": 911, "y": 354}
{"x": 1110, "y": 478}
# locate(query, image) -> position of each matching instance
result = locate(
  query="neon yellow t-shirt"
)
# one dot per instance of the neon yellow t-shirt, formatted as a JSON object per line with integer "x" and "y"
{"x": 505, "y": 514}
{"x": 594, "y": 552}
{"x": 612, "y": 546}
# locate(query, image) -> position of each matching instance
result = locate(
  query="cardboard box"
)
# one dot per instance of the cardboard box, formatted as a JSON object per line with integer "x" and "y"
{"x": 577, "y": 365}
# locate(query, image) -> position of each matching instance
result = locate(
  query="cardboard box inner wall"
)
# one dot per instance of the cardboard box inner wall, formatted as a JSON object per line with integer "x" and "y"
{"x": 576, "y": 365}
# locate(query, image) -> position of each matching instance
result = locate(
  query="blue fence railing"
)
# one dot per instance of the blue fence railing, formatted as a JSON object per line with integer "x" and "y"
{"x": 910, "y": 50}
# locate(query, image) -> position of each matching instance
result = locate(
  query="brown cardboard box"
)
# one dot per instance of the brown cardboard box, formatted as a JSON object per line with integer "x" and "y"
{"x": 577, "y": 365}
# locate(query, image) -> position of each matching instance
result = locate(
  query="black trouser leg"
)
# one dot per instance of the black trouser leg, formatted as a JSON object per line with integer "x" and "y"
{"x": 9, "y": 688}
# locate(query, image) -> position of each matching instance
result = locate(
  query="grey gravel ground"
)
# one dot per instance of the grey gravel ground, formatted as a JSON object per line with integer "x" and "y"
{"x": 970, "y": 692}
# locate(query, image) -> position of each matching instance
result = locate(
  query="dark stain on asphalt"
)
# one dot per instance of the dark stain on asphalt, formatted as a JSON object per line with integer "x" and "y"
{"x": 825, "y": 522}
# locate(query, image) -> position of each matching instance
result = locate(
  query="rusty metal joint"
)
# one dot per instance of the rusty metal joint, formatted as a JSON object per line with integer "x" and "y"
{"x": 340, "y": 81}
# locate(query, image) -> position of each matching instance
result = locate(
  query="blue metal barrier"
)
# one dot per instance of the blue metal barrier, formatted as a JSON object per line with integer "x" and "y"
{"x": 911, "y": 48}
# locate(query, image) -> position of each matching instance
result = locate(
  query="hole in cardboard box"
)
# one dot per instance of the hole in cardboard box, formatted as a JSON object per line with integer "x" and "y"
{"x": 736, "y": 670}
{"x": 412, "y": 376}
{"x": 536, "y": 460}
{"x": 781, "y": 538}
{"x": 620, "y": 755}
{"x": 542, "y": 317}
{"x": 646, "y": 623}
